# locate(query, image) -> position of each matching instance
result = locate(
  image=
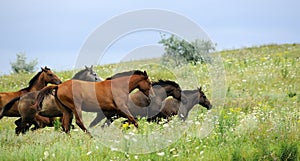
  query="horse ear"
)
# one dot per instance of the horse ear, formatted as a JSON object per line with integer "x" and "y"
{"x": 91, "y": 67}
{"x": 43, "y": 69}
{"x": 200, "y": 89}
{"x": 145, "y": 73}
{"x": 86, "y": 67}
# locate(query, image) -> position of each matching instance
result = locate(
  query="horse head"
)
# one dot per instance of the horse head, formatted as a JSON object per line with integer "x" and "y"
{"x": 169, "y": 88}
{"x": 49, "y": 76}
{"x": 203, "y": 101}
{"x": 87, "y": 74}
{"x": 144, "y": 84}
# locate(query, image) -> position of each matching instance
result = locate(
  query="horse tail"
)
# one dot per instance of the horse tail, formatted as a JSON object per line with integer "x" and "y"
{"x": 43, "y": 93}
{"x": 8, "y": 106}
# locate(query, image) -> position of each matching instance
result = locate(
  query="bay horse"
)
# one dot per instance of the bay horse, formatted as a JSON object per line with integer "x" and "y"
{"x": 173, "y": 107}
{"x": 141, "y": 105}
{"x": 39, "y": 81}
{"x": 110, "y": 95}
{"x": 29, "y": 113}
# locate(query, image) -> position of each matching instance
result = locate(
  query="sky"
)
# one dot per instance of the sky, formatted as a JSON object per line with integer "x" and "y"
{"x": 53, "y": 32}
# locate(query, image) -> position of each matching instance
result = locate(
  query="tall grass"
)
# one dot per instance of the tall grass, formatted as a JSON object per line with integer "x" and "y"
{"x": 260, "y": 119}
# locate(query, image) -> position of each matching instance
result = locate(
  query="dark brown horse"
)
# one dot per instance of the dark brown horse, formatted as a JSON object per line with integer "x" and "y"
{"x": 39, "y": 81}
{"x": 110, "y": 95}
{"x": 141, "y": 105}
{"x": 29, "y": 113}
{"x": 173, "y": 107}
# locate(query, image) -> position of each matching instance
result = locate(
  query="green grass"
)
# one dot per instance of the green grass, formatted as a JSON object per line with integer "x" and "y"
{"x": 260, "y": 119}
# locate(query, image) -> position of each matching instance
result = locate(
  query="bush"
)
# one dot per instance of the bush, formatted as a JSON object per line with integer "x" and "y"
{"x": 21, "y": 66}
{"x": 179, "y": 51}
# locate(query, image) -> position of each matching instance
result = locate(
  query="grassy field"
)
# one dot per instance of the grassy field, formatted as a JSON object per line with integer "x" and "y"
{"x": 259, "y": 120}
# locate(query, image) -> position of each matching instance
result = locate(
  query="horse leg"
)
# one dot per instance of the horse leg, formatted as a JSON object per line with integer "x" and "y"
{"x": 18, "y": 122}
{"x": 98, "y": 118}
{"x": 78, "y": 116}
{"x": 43, "y": 121}
{"x": 36, "y": 125}
{"x": 108, "y": 121}
{"x": 66, "y": 119}
{"x": 124, "y": 109}
{"x": 23, "y": 127}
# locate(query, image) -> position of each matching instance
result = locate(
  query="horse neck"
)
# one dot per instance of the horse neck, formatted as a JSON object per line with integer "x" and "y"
{"x": 162, "y": 92}
{"x": 38, "y": 84}
{"x": 192, "y": 100}
{"x": 80, "y": 76}
{"x": 133, "y": 82}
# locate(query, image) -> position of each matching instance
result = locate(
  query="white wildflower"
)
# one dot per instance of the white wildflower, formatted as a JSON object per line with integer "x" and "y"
{"x": 89, "y": 153}
{"x": 161, "y": 154}
{"x": 201, "y": 152}
{"x": 126, "y": 137}
{"x": 166, "y": 125}
{"x": 197, "y": 123}
{"x": 113, "y": 149}
{"x": 46, "y": 154}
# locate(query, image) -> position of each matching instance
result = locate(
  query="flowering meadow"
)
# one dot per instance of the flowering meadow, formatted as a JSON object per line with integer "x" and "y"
{"x": 258, "y": 120}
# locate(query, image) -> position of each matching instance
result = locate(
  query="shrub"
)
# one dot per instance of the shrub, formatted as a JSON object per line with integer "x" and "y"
{"x": 179, "y": 51}
{"x": 21, "y": 66}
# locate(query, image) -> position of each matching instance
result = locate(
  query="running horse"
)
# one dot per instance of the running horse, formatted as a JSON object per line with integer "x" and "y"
{"x": 110, "y": 95}
{"x": 142, "y": 106}
{"x": 29, "y": 113}
{"x": 174, "y": 107}
{"x": 39, "y": 81}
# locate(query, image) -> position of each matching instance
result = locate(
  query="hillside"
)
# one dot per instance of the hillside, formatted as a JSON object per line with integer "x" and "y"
{"x": 259, "y": 120}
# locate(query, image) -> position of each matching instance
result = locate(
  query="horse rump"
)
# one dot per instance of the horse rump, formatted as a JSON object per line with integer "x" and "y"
{"x": 43, "y": 93}
{"x": 8, "y": 106}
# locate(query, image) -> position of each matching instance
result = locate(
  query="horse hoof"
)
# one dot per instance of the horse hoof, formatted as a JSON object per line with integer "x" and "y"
{"x": 136, "y": 125}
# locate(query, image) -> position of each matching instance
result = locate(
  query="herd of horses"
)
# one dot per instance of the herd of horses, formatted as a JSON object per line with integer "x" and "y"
{"x": 111, "y": 98}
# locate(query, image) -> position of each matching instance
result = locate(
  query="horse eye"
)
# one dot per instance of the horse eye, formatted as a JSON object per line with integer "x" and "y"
{"x": 50, "y": 75}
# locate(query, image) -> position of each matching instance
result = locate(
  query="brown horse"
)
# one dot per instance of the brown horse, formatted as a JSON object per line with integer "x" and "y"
{"x": 173, "y": 107}
{"x": 39, "y": 81}
{"x": 142, "y": 106}
{"x": 29, "y": 113}
{"x": 108, "y": 95}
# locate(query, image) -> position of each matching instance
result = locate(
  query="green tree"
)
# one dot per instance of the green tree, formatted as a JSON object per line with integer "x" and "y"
{"x": 179, "y": 51}
{"x": 21, "y": 65}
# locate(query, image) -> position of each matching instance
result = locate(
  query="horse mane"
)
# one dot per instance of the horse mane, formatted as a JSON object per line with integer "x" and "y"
{"x": 33, "y": 80}
{"x": 190, "y": 91}
{"x": 165, "y": 82}
{"x": 79, "y": 73}
{"x": 128, "y": 73}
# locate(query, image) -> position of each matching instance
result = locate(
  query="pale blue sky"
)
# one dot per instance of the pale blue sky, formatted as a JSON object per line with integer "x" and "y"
{"x": 57, "y": 29}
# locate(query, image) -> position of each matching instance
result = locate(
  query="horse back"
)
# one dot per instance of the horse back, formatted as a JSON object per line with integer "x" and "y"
{"x": 5, "y": 97}
{"x": 87, "y": 95}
